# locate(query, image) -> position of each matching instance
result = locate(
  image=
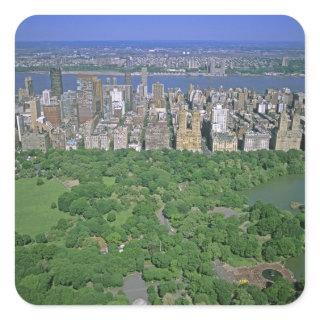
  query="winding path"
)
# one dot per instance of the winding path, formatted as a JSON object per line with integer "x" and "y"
{"x": 164, "y": 221}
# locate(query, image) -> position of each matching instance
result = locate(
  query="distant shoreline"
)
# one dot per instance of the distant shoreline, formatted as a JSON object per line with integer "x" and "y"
{"x": 164, "y": 74}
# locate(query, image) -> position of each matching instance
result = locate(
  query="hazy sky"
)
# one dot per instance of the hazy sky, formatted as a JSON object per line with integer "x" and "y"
{"x": 217, "y": 28}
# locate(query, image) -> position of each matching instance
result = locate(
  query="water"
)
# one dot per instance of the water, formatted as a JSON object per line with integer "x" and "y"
{"x": 41, "y": 81}
{"x": 271, "y": 274}
{"x": 280, "y": 191}
{"x": 297, "y": 266}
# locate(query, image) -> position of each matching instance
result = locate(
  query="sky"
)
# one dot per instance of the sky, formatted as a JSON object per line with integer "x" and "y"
{"x": 215, "y": 28}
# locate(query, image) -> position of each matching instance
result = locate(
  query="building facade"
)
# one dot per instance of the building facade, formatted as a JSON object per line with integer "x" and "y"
{"x": 120, "y": 138}
{"x": 189, "y": 131}
{"x": 256, "y": 141}
{"x": 224, "y": 142}
{"x": 157, "y": 136}
{"x": 53, "y": 114}
{"x": 35, "y": 140}
{"x": 56, "y": 82}
{"x": 89, "y": 97}
{"x": 219, "y": 118}
{"x": 288, "y": 136}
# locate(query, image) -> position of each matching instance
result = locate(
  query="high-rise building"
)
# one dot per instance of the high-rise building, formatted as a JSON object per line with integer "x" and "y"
{"x": 56, "y": 82}
{"x": 241, "y": 101}
{"x": 288, "y": 136}
{"x": 97, "y": 141}
{"x": 35, "y": 112}
{"x": 157, "y": 136}
{"x": 35, "y": 140}
{"x": 158, "y": 91}
{"x": 114, "y": 81}
{"x": 126, "y": 91}
{"x": 189, "y": 132}
{"x": 262, "y": 108}
{"x": 285, "y": 61}
{"x": 144, "y": 76}
{"x": 256, "y": 141}
{"x": 58, "y": 138}
{"x": 219, "y": 118}
{"x": 224, "y": 141}
{"x": 142, "y": 91}
{"x": 68, "y": 104}
{"x": 89, "y": 97}
{"x": 20, "y": 125}
{"x": 29, "y": 86}
{"x": 22, "y": 94}
{"x": 117, "y": 101}
{"x": 45, "y": 97}
{"x": 120, "y": 138}
{"x": 53, "y": 114}
{"x": 127, "y": 78}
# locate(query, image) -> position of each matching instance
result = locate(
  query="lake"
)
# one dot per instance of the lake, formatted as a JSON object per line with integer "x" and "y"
{"x": 41, "y": 81}
{"x": 280, "y": 191}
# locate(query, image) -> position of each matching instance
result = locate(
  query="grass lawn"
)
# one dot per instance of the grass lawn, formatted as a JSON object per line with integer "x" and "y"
{"x": 121, "y": 217}
{"x": 237, "y": 261}
{"x": 33, "y": 212}
{"x": 108, "y": 181}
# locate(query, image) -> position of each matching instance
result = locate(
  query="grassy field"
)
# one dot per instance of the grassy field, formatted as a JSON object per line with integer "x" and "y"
{"x": 108, "y": 181}
{"x": 122, "y": 217}
{"x": 237, "y": 261}
{"x": 33, "y": 212}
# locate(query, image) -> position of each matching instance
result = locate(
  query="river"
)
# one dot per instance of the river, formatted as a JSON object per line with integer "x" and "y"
{"x": 280, "y": 191}
{"x": 41, "y": 81}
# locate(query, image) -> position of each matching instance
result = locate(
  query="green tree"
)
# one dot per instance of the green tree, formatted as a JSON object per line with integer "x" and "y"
{"x": 41, "y": 238}
{"x": 280, "y": 292}
{"x": 40, "y": 182}
{"x": 53, "y": 205}
{"x": 111, "y": 216}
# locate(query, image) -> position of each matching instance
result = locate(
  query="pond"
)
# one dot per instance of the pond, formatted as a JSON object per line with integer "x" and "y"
{"x": 271, "y": 274}
{"x": 297, "y": 266}
{"x": 280, "y": 192}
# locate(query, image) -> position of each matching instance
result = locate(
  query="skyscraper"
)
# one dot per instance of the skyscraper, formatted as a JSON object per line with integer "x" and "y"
{"x": 68, "y": 104}
{"x": 144, "y": 76}
{"x": 158, "y": 91}
{"x": 53, "y": 114}
{"x": 29, "y": 86}
{"x": 143, "y": 87}
{"x": 89, "y": 97}
{"x": 288, "y": 135}
{"x": 56, "y": 82}
{"x": 120, "y": 138}
{"x": 46, "y": 97}
{"x": 219, "y": 118}
{"x": 285, "y": 62}
{"x": 34, "y": 106}
{"x": 127, "y": 78}
{"x": 189, "y": 132}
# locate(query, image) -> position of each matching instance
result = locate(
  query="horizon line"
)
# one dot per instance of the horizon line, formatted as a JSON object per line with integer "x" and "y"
{"x": 169, "y": 40}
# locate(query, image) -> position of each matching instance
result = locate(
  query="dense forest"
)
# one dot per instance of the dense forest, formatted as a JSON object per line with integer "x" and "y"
{"x": 67, "y": 264}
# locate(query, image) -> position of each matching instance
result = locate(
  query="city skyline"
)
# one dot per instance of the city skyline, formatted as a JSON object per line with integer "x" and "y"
{"x": 241, "y": 28}
{"x": 170, "y": 172}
